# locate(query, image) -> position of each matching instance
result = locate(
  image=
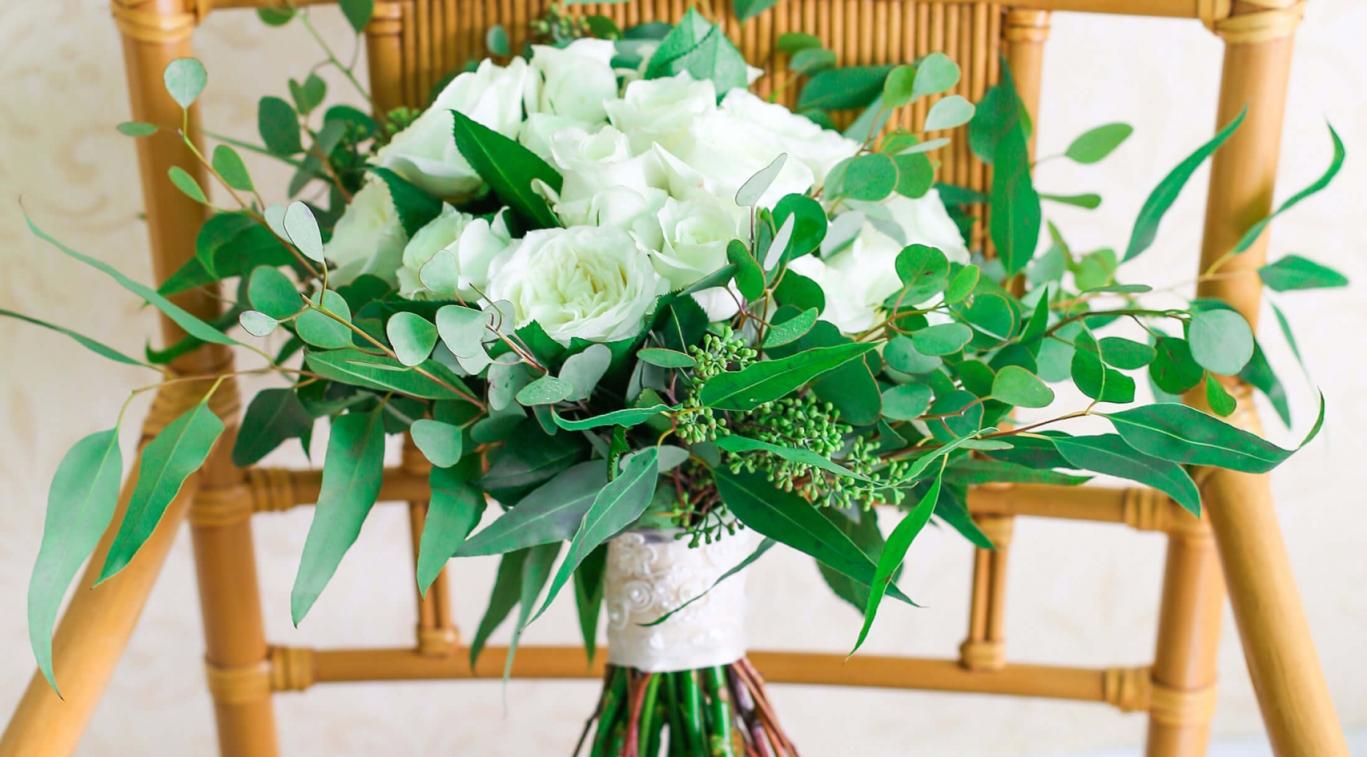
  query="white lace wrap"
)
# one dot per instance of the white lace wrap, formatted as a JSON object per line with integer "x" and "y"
{"x": 650, "y": 573}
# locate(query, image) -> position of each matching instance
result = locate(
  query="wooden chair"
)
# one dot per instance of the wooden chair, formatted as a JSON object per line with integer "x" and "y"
{"x": 411, "y": 43}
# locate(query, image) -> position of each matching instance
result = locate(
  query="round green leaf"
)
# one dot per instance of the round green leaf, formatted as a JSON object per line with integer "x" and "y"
{"x": 278, "y": 125}
{"x": 948, "y": 112}
{"x": 1016, "y": 386}
{"x": 440, "y": 443}
{"x": 924, "y": 272}
{"x": 791, "y": 42}
{"x": 811, "y": 60}
{"x": 412, "y": 337}
{"x": 275, "y": 16}
{"x": 324, "y": 331}
{"x": 1221, "y": 341}
{"x": 943, "y": 339}
{"x": 934, "y": 73}
{"x": 870, "y": 177}
{"x": 906, "y": 402}
{"x": 961, "y": 284}
{"x": 272, "y": 293}
{"x": 898, "y": 87}
{"x": 357, "y": 12}
{"x": 302, "y": 229}
{"x": 902, "y": 355}
{"x": 1173, "y": 370}
{"x": 1124, "y": 353}
{"x": 496, "y": 40}
{"x": 184, "y": 79}
{"x": 257, "y": 323}
{"x": 546, "y": 390}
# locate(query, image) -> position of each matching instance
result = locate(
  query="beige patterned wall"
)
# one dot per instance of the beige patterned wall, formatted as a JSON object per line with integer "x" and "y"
{"x": 1081, "y": 594}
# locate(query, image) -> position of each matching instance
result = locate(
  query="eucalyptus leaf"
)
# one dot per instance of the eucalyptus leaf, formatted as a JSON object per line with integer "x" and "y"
{"x": 350, "y": 486}
{"x": 99, "y": 348}
{"x": 617, "y": 506}
{"x": 273, "y": 416}
{"x": 906, "y": 401}
{"x": 551, "y": 512}
{"x": 453, "y": 510}
{"x": 137, "y": 129}
{"x": 666, "y": 358}
{"x": 894, "y": 551}
{"x": 441, "y": 443}
{"x": 1110, "y": 455}
{"x": 325, "y": 323}
{"x": 357, "y": 368}
{"x": 502, "y": 599}
{"x": 187, "y": 184}
{"x": 1294, "y": 272}
{"x": 791, "y": 329}
{"x": 1165, "y": 194}
{"x": 546, "y": 390}
{"x": 166, "y": 462}
{"x": 754, "y": 187}
{"x": 1017, "y": 386}
{"x": 768, "y": 380}
{"x": 256, "y": 323}
{"x": 583, "y": 370}
{"x": 941, "y": 339}
{"x": 624, "y": 418}
{"x": 412, "y": 337}
{"x": 278, "y": 125}
{"x": 948, "y": 113}
{"x": 737, "y": 444}
{"x": 302, "y": 229}
{"x": 1221, "y": 341}
{"x": 80, "y": 504}
{"x": 1188, "y": 436}
{"x": 229, "y": 165}
{"x": 1323, "y": 181}
{"x": 1095, "y": 144}
{"x": 185, "y": 79}
{"x": 357, "y": 12}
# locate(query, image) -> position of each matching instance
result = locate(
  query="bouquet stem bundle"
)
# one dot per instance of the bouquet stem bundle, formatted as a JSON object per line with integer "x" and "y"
{"x": 722, "y": 710}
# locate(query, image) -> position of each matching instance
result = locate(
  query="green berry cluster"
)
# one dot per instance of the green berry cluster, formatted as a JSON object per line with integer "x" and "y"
{"x": 718, "y": 353}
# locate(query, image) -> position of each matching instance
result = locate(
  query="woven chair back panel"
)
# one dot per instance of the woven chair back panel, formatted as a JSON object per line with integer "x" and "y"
{"x": 420, "y": 42}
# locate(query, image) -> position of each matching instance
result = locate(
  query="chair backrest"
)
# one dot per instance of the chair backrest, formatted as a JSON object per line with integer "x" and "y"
{"x": 413, "y": 44}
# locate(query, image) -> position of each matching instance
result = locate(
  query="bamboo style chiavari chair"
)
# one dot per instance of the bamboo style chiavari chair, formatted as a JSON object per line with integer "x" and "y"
{"x": 1236, "y": 548}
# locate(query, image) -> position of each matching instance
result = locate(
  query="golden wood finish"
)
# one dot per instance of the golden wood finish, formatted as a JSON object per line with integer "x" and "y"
{"x": 411, "y": 44}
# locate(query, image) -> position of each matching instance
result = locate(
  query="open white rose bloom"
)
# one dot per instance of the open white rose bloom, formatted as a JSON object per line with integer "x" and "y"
{"x": 651, "y": 170}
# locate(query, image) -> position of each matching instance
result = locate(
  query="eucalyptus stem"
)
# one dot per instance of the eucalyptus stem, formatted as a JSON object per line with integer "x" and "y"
{"x": 607, "y": 720}
{"x": 719, "y": 713}
{"x": 691, "y": 700}
{"x": 650, "y": 720}
{"x": 332, "y": 57}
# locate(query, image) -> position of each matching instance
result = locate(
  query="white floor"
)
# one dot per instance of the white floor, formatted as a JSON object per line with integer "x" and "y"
{"x": 1357, "y": 744}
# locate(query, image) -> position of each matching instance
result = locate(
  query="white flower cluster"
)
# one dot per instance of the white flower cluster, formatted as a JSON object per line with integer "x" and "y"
{"x": 651, "y": 169}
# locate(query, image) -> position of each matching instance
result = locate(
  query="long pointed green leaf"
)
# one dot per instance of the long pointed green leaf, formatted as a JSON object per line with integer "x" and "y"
{"x": 508, "y": 168}
{"x": 758, "y": 552}
{"x": 1335, "y": 164}
{"x": 272, "y": 417}
{"x": 626, "y": 417}
{"x": 1014, "y": 223}
{"x": 768, "y": 380}
{"x": 453, "y": 511}
{"x": 182, "y": 317}
{"x": 616, "y": 507}
{"x": 551, "y": 512}
{"x": 1109, "y": 454}
{"x": 99, "y": 348}
{"x": 167, "y": 461}
{"x": 588, "y": 597}
{"x": 502, "y": 598}
{"x": 785, "y": 517}
{"x": 357, "y": 368}
{"x": 1185, "y": 435}
{"x": 351, "y": 483}
{"x": 894, "y": 551}
{"x": 535, "y": 571}
{"x": 80, "y": 503}
{"x": 735, "y": 443}
{"x": 1165, "y": 194}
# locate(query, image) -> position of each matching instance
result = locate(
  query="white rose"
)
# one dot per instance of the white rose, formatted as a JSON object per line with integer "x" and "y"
{"x": 858, "y": 279}
{"x": 820, "y": 149}
{"x": 693, "y": 239}
{"x": 724, "y": 152}
{"x": 576, "y": 80}
{"x": 538, "y": 130}
{"x": 592, "y": 161}
{"x": 368, "y": 238}
{"x": 425, "y": 153}
{"x": 450, "y": 258}
{"x": 584, "y": 281}
{"x": 660, "y": 111}
{"x": 619, "y": 207}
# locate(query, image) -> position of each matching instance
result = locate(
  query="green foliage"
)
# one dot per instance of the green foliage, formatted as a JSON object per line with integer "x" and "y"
{"x": 1188, "y": 436}
{"x": 1220, "y": 340}
{"x": 325, "y": 323}
{"x": 167, "y": 461}
{"x": 412, "y": 337}
{"x": 187, "y": 185}
{"x": 509, "y": 169}
{"x": 1323, "y": 181}
{"x": 273, "y": 417}
{"x": 453, "y": 510}
{"x": 948, "y": 113}
{"x": 551, "y": 512}
{"x": 357, "y": 368}
{"x": 357, "y": 12}
{"x": 351, "y": 483}
{"x": 184, "y": 79}
{"x": 748, "y": 9}
{"x": 229, "y": 165}
{"x": 136, "y": 129}
{"x": 1294, "y": 272}
{"x": 1014, "y": 223}
{"x": 616, "y": 506}
{"x": 1165, "y": 194}
{"x": 702, "y": 49}
{"x": 890, "y": 561}
{"x": 97, "y": 347}
{"x": 441, "y": 443}
{"x": 843, "y": 88}
{"x": 1110, "y": 455}
{"x": 770, "y": 379}
{"x": 80, "y": 504}
{"x": 1093, "y": 145}
{"x": 278, "y": 125}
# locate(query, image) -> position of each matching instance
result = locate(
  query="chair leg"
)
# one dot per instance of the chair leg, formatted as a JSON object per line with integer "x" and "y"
{"x": 236, "y": 663}
{"x": 1278, "y": 648}
{"x": 90, "y": 639}
{"x": 1184, "y": 667}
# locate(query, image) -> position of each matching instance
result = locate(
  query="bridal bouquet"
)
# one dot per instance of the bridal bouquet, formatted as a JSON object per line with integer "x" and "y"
{"x": 662, "y": 325}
